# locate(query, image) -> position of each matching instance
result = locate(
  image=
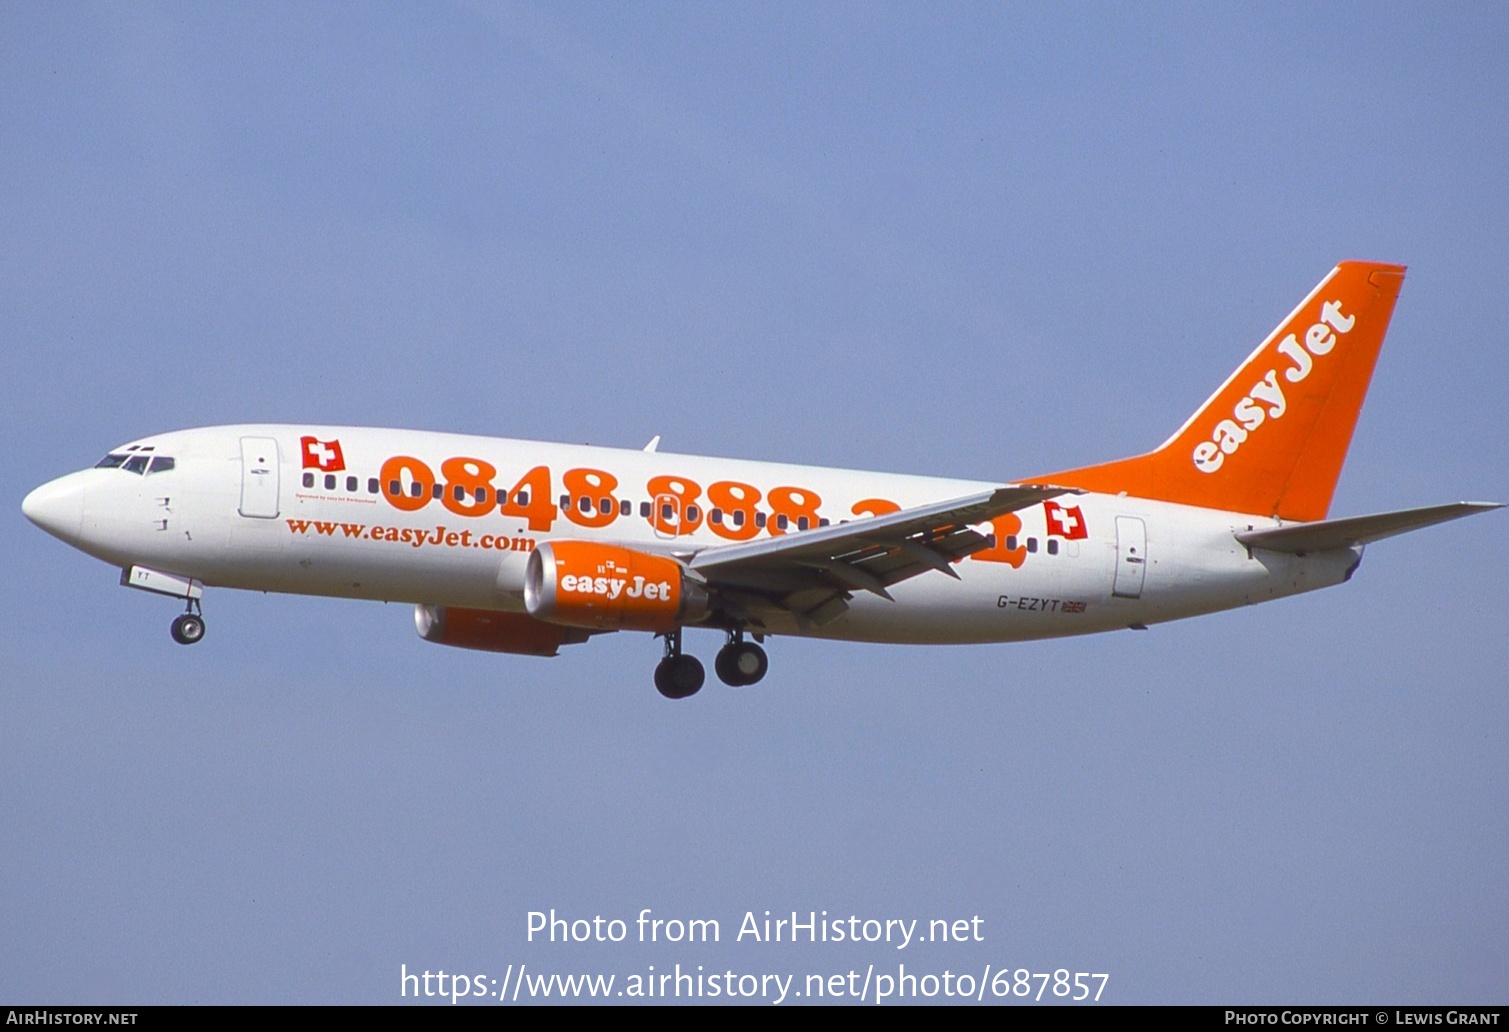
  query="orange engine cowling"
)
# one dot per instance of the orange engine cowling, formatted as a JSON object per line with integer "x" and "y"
{"x": 493, "y": 631}
{"x": 608, "y": 588}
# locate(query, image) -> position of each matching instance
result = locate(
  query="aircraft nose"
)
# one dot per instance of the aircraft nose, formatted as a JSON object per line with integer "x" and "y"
{"x": 58, "y": 507}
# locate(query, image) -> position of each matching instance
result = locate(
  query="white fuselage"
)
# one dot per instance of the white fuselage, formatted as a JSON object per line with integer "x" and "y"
{"x": 251, "y": 507}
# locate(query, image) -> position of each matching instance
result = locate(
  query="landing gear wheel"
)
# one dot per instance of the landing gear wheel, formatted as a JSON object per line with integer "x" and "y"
{"x": 741, "y": 663}
{"x": 679, "y": 677}
{"x": 187, "y": 629}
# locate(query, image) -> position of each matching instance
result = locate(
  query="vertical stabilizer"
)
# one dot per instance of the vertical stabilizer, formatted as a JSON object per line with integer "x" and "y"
{"x": 1272, "y": 438}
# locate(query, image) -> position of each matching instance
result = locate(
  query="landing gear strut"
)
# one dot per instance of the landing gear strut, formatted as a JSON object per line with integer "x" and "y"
{"x": 188, "y": 628}
{"x": 740, "y": 662}
{"x": 678, "y": 676}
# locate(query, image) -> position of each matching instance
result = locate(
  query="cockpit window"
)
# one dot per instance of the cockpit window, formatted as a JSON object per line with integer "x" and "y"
{"x": 134, "y": 461}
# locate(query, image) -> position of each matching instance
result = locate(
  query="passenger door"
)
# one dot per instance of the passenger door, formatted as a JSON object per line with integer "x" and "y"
{"x": 1131, "y": 557}
{"x": 259, "y": 478}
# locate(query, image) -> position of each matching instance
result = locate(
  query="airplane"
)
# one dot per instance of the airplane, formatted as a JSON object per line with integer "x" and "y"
{"x": 524, "y": 547}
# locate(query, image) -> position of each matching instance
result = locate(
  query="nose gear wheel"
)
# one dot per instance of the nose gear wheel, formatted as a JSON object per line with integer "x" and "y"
{"x": 187, "y": 629}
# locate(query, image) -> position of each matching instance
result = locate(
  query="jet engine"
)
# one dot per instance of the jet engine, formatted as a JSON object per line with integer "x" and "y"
{"x": 610, "y": 588}
{"x": 493, "y": 631}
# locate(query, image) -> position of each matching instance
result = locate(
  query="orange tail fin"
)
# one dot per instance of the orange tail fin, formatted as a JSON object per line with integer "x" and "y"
{"x": 1272, "y": 438}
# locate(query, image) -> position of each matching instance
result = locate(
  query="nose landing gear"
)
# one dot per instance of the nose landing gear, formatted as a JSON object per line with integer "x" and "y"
{"x": 678, "y": 676}
{"x": 188, "y": 628}
{"x": 740, "y": 663}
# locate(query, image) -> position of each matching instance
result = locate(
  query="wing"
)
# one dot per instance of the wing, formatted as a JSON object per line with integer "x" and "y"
{"x": 812, "y": 574}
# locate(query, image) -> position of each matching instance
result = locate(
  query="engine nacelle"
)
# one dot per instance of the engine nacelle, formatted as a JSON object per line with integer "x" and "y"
{"x": 608, "y": 588}
{"x": 493, "y": 631}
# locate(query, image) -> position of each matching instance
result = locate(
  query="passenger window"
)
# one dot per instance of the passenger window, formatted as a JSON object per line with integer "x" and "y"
{"x": 823, "y": 522}
{"x": 738, "y": 517}
{"x": 439, "y": 492}
{"x": 626, "y": 508}
{"x": 1053, "y": 546}
{"x": 521, "y": 498}
{"x": 329, "y": 481}
{"x": 644, "y": 509}
{"x": 459, "y": 493}
{"x": 781, "y": 521}
{"x": 691, "y": 514}
{"x": 1011, "y": 542}
{"x": 1032, "y": 544}
{"x": 137, "y": 463}
{"x": 308, "y": 479}
{"x": 565, "y": 502}
{"x": 351, "y": 483}
{"x": 802, "y": 523}
{"x": 585, "y": 505}
{"x": 480, "y": 494}
{"x": 416, "y": 489}
{"x": 395, "y": 487}
{"x": 667, "y": 513}
{"x": 373, "y": 486}
{"x": 716, "y": 515}
{"x": 759, "y": 519}
{"x": 604, "y": 506}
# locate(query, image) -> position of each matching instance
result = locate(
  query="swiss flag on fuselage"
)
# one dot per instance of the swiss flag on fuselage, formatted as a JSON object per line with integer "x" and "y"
{"x": 1065, "y": 521}
{"x": 322, "y": 455}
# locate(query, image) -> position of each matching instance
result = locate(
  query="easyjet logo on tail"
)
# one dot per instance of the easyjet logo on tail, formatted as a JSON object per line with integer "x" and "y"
{"x": 1265, "y": 399}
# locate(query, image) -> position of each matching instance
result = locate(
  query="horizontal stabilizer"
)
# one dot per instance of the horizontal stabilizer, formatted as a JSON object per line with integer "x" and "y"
{"x": 1356, "y": 530}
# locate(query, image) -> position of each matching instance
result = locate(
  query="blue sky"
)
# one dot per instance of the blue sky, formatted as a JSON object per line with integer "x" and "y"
{"x": 976, "y": 240}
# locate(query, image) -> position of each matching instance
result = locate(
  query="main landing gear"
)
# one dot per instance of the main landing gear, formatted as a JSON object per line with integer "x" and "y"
{"x": 678, "y": 676}
{"x": 739, "y": 663}
{"x": 188, "y": 628}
